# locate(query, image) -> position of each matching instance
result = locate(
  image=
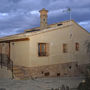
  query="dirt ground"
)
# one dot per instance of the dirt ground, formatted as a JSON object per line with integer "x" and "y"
{"x": 40, "y": 83}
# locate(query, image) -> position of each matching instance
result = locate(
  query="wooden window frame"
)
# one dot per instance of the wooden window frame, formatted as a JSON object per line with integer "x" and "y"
{"x": 45, "y": 53}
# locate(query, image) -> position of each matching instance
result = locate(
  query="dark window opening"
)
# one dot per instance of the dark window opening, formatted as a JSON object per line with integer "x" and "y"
{"x": 47, "y": 74}
{"x": 42, "y": 72}
{"x": 77, "y": 46}
{"x": 59, "y": 24}
{"x": 58, "y": 74}
{"x": 70, "y": 67}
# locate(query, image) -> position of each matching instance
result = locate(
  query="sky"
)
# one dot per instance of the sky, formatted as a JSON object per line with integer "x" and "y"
{"x": 18, "y": 15}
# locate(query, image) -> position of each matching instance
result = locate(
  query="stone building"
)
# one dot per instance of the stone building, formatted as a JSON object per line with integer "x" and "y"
{"x": 60, "y": 49}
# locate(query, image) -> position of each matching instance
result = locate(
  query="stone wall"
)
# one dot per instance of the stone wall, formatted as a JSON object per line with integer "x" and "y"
{"x": 84, "y": 69}
{"x": 65, "y": 69}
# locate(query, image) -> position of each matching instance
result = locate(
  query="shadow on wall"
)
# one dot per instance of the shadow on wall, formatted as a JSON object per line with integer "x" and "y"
{"x": 87, "y": 45}
{"x": 5, "y": 74}
{"x": 6, "y": 62}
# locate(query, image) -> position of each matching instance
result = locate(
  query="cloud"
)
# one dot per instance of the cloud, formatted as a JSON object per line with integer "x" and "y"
{"x": 17, "y": 15}
{"x": 3, "y": 16}
{"x": 35, "y": 13}
{"x": 86, "y": 25}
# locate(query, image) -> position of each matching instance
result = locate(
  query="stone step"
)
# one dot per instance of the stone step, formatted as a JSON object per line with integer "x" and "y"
{"x": 21, "y": 76}
{"x": 20, "y": 73}
{"x": 17, "y": 70}
{"x": 24, "y": 77}
{"x": 17, "y": 73}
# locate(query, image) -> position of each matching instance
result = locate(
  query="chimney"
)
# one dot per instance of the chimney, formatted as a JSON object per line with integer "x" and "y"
{"x": 43, "y": 18}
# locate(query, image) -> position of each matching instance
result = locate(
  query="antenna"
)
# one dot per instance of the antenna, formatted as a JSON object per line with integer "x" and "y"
{"x": 69, "y": 11}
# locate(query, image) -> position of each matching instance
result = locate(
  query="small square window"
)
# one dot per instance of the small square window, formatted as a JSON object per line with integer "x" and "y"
{"x": 58, "y": 74}
{"x": 44, "y": 19}
{"x": 77, "y": 46}
{"x": 64, "y": 48}
{"x": 70, "y": 67}
{"x": 42, "y": 49}
{"x": 47, "y": 74}
{"x": 59, "y": 24}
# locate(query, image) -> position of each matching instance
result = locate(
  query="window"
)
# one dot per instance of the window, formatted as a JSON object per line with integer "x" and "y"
{"x": 44, "y": 19}
{"x": 77, "y": 46}
{"x": 70, "y": 67}
{"x": 47, "y": 74}
{"x": 64, "y": 48}
{"x": 58, "y": 74}
{"x": 42, "y": 49}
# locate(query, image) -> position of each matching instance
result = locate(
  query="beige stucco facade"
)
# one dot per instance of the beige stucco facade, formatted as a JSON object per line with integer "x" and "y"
{"x": 55, "y": 39}
{"x": 19, "y": 53}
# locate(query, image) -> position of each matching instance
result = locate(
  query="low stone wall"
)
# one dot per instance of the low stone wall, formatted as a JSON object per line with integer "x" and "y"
{"x": 65, "y": 69}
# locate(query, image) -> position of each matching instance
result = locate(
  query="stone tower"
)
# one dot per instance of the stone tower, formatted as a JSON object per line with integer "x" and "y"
{"x": 43, "y": 18}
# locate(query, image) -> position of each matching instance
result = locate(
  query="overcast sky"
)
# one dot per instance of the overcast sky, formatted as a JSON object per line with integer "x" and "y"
{"x": 18, "y": 15}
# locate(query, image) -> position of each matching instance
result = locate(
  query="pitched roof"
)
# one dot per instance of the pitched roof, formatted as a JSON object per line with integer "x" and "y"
{"x": 35, "y": 31}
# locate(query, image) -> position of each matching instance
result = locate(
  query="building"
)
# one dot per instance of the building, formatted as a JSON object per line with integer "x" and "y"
{"x": 60, "y": 49}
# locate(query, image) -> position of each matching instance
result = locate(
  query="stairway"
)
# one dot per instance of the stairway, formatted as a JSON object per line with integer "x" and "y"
{"x": 20, "y": 73}
{"x": 17, "y": 72}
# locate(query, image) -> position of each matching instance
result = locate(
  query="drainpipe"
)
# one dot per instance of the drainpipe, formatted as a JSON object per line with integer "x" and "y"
{"x": 1, "y": 56}
{"x": 12, "y": 71}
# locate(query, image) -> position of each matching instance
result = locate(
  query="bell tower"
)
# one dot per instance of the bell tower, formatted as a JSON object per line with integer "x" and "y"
{"x": 43, "y": 18}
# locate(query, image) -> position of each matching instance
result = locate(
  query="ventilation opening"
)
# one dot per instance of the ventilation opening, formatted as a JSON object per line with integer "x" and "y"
{"x": 47, "y": 74}
{"x": 59, "y": 24}
{"x": 77, "y": 65}
{"x": 65, "y": 73}
{"x": 58, "y": 74}
{"x": 42, "y": 72}
{"x": 70, "y": 67}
